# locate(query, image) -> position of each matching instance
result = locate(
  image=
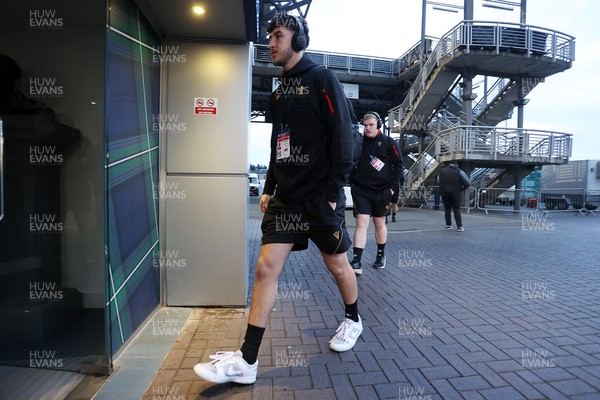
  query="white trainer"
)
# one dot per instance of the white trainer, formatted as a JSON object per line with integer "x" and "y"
{"x": 228, "y": 366}
{"x": 346, "y": 335}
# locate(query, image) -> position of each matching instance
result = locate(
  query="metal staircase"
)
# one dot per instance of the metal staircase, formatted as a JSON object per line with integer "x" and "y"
{"x": 489, "y": 48}
{"x": 526, "y": 54}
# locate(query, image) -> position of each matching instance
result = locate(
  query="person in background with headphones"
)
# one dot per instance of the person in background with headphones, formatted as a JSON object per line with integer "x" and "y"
{"x": 375, "y": 180}
{"x": 303, "y": 196}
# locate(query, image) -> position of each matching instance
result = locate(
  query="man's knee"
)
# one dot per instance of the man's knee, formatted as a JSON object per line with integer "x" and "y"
{"x": 265, "y": 268}
{"x": 336, "y": 263}
{"x": 379, "y": 222}
{"x": 271, "y": 260}
{"x": 362, "y": 221}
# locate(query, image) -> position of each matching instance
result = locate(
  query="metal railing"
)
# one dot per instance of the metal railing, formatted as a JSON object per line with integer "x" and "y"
{"x": 425, "y": 197}
{"x": 565, "y": 199}
{"x": 494, "y": 36}
{"x": 530, "y": 145}
{"x": 419, "y": 170}
{"x": 348, "y": 62}
{"x": 503, "y": 199}
{"x": 415, "y": 53}
{"x": 502, "y": 85}
{"x": 490, "y": 143}
{"x": 547, "y": 201}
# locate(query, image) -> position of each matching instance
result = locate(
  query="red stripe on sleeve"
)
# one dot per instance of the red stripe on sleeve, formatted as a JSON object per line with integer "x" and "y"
{"x": 328, "y": 101}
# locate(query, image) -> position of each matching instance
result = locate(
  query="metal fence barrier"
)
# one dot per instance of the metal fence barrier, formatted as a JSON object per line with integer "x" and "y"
{"x": 425, "y": 197}
{"x": 561, "y": 200}
{"x": 420, "y": 196}
{"x": 503, "y": 199}
{"x": 547, "y": 201}
{"x": 592, "y": 201}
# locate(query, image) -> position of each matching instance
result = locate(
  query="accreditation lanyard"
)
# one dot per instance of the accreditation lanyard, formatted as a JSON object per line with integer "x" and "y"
{"x": 284, "y": 136}
{"x": 373, "y": 160}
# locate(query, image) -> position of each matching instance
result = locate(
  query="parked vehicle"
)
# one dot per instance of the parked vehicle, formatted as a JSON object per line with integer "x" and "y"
{"x": 253, "y": 184}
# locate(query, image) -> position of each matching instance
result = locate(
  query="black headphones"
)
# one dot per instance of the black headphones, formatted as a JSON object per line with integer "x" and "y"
{"x": 379, "y": 123}
{"x": 299, "y": 40}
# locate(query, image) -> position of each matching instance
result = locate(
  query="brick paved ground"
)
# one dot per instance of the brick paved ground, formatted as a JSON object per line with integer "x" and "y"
{"x": 508, "y": 309}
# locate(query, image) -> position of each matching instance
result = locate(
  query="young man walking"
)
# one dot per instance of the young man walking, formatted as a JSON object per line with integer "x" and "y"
{"x": 311, "y": 158}
{"x": 375, "y": 180}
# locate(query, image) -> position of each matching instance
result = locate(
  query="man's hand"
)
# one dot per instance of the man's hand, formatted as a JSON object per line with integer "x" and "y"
{"x": 264, "y": 202}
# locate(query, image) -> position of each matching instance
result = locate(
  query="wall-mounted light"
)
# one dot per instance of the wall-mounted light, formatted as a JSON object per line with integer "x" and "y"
{"x": 198, "y": 10}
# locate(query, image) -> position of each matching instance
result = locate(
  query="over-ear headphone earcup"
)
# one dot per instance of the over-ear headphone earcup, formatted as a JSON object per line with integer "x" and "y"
{"x": 299, "y": 41}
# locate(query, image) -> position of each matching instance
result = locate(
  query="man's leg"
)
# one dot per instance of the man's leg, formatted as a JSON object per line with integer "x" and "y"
{"x": 270, "y": 263}
{"x": 447, "y": 202}
{"x": 360, "y": 241}
{"x": 351, "y": 328}
{"x": 394, "y": 209}
{"x": 268, "y": 268}
{"x": 337, "y": 264}
{"x": 456, "y": 200}
{"x": 360, "y": 234}
{"x": 381, "y": 239}
{"x": 380, "y": 230}
{"x": 241, "y": 366}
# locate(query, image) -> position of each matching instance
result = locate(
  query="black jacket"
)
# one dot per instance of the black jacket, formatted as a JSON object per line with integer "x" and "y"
{"x": 365, "y": 176}
{"x": 453, "y": 179}
{"x": 313, "y": 106}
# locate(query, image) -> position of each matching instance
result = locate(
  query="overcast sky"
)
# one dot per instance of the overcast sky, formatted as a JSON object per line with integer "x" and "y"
{"x": 567, "y": 102}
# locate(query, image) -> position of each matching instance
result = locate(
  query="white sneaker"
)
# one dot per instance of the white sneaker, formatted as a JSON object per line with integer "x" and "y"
{"x": 346, "y": 335}
{"x": 228, "y": 366}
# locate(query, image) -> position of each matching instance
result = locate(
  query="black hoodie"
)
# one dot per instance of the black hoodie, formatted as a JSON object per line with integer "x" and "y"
{"x": 390, "y": 176}
{"x": 312, "y": 105}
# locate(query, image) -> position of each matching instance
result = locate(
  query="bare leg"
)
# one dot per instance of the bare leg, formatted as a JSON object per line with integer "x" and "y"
{"x": 342, "y": 272}
{"x": 268, "y": 268}
{"x": 360, "y": 234}
{"x": 380, "y": 230}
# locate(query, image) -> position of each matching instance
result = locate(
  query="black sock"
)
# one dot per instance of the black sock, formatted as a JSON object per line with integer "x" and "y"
{"x": 357, "y": 253}
{"x": 380, "y": 250}
{"x": 251, "y": 343}
{"x": 352, "y": 311}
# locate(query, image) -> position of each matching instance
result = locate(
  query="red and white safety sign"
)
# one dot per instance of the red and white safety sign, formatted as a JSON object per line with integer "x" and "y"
{"x": 205, "y": 105}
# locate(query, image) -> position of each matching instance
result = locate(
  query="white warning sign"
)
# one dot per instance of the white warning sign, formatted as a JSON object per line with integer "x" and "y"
{"x": 205, "y": 105}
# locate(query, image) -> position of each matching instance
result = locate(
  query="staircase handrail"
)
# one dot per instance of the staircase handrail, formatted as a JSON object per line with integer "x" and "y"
{"x": 414, "y": 54}
{"x": 421, "y": 164}
{"x": 493, "y": 92}
{"x": 529, "y": 144}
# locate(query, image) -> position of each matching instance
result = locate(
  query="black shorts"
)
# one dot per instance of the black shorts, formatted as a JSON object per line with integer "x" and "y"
{"x": 376, "y": 204}
{"x": 314, "y": 219}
